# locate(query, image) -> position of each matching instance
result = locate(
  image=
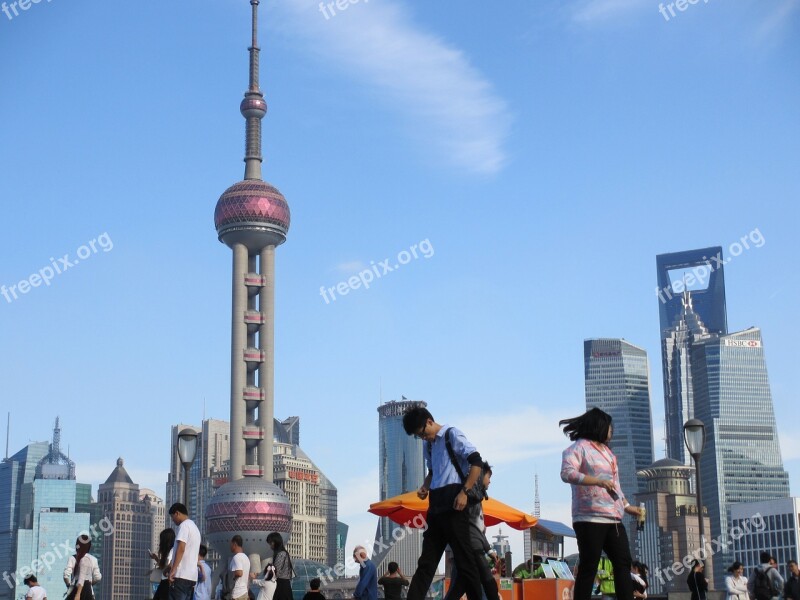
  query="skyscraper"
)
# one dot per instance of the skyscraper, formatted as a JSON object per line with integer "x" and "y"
{"x": 15, "y": 472}
{"x": 48, "y": 517}
{"x": 742, "y": 460}
{"x": 618, "y": 382}
{"x": 701, "y": 271}
{"x": 251, "y": 218}
{"x": 126, "y": 561}
{"x": 401, "y": 469}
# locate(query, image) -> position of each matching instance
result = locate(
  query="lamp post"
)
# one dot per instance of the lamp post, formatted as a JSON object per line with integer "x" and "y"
{"x": 187, "y": 448}
{"x": 694, "y": 434}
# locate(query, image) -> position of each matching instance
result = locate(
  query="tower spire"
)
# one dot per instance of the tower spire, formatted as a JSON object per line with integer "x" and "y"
{"x": 253, "y": 107}
{"x": 537, "y": 507}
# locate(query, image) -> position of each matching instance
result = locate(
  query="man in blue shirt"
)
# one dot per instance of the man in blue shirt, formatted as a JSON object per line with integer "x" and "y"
{"x": 448, "y": 522}
{"x": 367, "y": 588}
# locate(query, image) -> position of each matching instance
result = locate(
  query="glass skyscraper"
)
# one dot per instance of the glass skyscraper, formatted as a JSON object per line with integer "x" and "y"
{"x": 702, "y": 272}
{"x": 401, "y": 469}
{"x": 618, "y": 382}
{"x": 15, "y": 471}
{"x": 742, "y": 460}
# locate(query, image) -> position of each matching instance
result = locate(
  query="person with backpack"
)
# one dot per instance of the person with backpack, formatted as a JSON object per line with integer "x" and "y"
{"x": 454, "y": 467}
{"x": 697, "y": 582}
{"x": 766, "y": 582}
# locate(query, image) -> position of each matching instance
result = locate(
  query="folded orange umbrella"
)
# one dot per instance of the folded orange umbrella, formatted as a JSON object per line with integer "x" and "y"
{"x": 404, "y": 508}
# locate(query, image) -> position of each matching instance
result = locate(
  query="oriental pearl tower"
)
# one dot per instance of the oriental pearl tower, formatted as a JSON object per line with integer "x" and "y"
{"x": 252, "y": 218}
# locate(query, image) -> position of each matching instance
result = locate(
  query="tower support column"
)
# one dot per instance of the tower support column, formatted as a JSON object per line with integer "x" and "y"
{"x": 266, "y": 373}
{"x": 238, "y": 365}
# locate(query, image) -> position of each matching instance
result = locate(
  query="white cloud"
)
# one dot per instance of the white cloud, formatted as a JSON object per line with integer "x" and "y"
{"x": 350, "y": 267}
{"x": 501, "y": 438}
{"x": 790, "y": 445}
{"x": 778, "y": 17}
{"x": 451, "y": 106}
{"x": 589, "y": 11}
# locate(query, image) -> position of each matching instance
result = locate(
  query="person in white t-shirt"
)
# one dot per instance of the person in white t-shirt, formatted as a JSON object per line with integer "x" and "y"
{"x": 35, "y": 591}
{"x": 240, "y": 569}
{"x": 183, "y": 574}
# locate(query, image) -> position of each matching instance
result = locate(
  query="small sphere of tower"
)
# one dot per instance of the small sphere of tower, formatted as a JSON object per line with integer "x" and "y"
{"x": 253, "y": 107}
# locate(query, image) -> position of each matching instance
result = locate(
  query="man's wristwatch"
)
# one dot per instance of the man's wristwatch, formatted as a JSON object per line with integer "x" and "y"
{"x": 465, "y": 490}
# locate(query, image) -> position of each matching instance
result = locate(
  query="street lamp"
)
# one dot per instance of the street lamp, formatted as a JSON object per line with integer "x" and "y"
{"x": 694, "y": 434}
{"x": 187, "y": 448}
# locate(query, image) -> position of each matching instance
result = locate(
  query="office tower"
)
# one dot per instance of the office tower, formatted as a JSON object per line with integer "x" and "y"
{"x": 701, "y": 271}
{"x": 300, "y": 481}
{"x": 500, "y": 543}
{"x": 48, "y": 519}
{"x": 742, "y": 460}
{"x": 252, "y": 218}
{"x": 527, "y": 549}
{"x": 292, "y": 428}
{"x": 618, "y": 382}
{"x": 126, "y": 561}
{"x": 671, "y": 529}
{"x": 341, "y": 542}
{"x": 15, "y": 472}
{"x": 158, "y": 514}
{"x": 85, "y": 503}
{"x": 768, "y": 525}
{"x": 401, "y": 469}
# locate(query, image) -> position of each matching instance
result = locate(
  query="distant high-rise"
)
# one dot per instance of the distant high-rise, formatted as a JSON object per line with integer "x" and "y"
{"x": 671, "y": 529}
{"x": 48, "y": 516}
{"x": 15, "y": 472}
{"x": 618, "y": 382}
{"x": 126, "y": 561}
{"x": 700, "y": 271}
{"x": 401, "y": 469}
{"x": 742, "y": 459}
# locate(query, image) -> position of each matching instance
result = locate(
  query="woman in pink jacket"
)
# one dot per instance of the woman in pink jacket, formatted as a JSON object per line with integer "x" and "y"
{"x": 598, "y": 503}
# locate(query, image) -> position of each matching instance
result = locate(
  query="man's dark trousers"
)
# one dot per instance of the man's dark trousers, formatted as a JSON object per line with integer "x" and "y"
{"x": 448, "y": 527}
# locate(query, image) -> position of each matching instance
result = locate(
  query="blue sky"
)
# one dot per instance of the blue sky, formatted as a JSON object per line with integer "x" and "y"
{"x": 545, "y": 151}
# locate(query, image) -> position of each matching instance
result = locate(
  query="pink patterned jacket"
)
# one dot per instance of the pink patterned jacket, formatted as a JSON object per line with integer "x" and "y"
{"x": 590, "y": 502}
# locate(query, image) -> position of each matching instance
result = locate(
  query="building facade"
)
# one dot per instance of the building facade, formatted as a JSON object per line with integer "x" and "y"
{"x": 126, "y": 561}
{"x": 401, "y": 469}
{"x": 617, "y": 381}
{"x": 771, "y": 526}
{"x": 677, "y": 273}
{"x": 672, "y": 527}
{"x": 742, "y": 459}
{"x": 15, "y": 472}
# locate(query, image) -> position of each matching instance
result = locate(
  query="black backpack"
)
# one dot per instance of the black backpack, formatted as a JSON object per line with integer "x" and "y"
{"x": 763, "y": 588}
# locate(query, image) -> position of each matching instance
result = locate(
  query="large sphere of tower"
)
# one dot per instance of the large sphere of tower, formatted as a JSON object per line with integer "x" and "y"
{"x": 254, "y": 213}
{"x": 252, "y": 508}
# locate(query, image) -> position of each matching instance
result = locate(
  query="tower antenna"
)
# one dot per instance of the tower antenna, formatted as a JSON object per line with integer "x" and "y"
{"x": 253, "y": 107}
{"x": 8, "y": 432}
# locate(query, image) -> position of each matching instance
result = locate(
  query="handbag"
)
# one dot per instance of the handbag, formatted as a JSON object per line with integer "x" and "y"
{"x": 477, "y": 493}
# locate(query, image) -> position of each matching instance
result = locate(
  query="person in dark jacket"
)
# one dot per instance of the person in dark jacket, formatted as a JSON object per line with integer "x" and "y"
{"x": 791, "y": 589}
{"x": 698, "y": 584}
